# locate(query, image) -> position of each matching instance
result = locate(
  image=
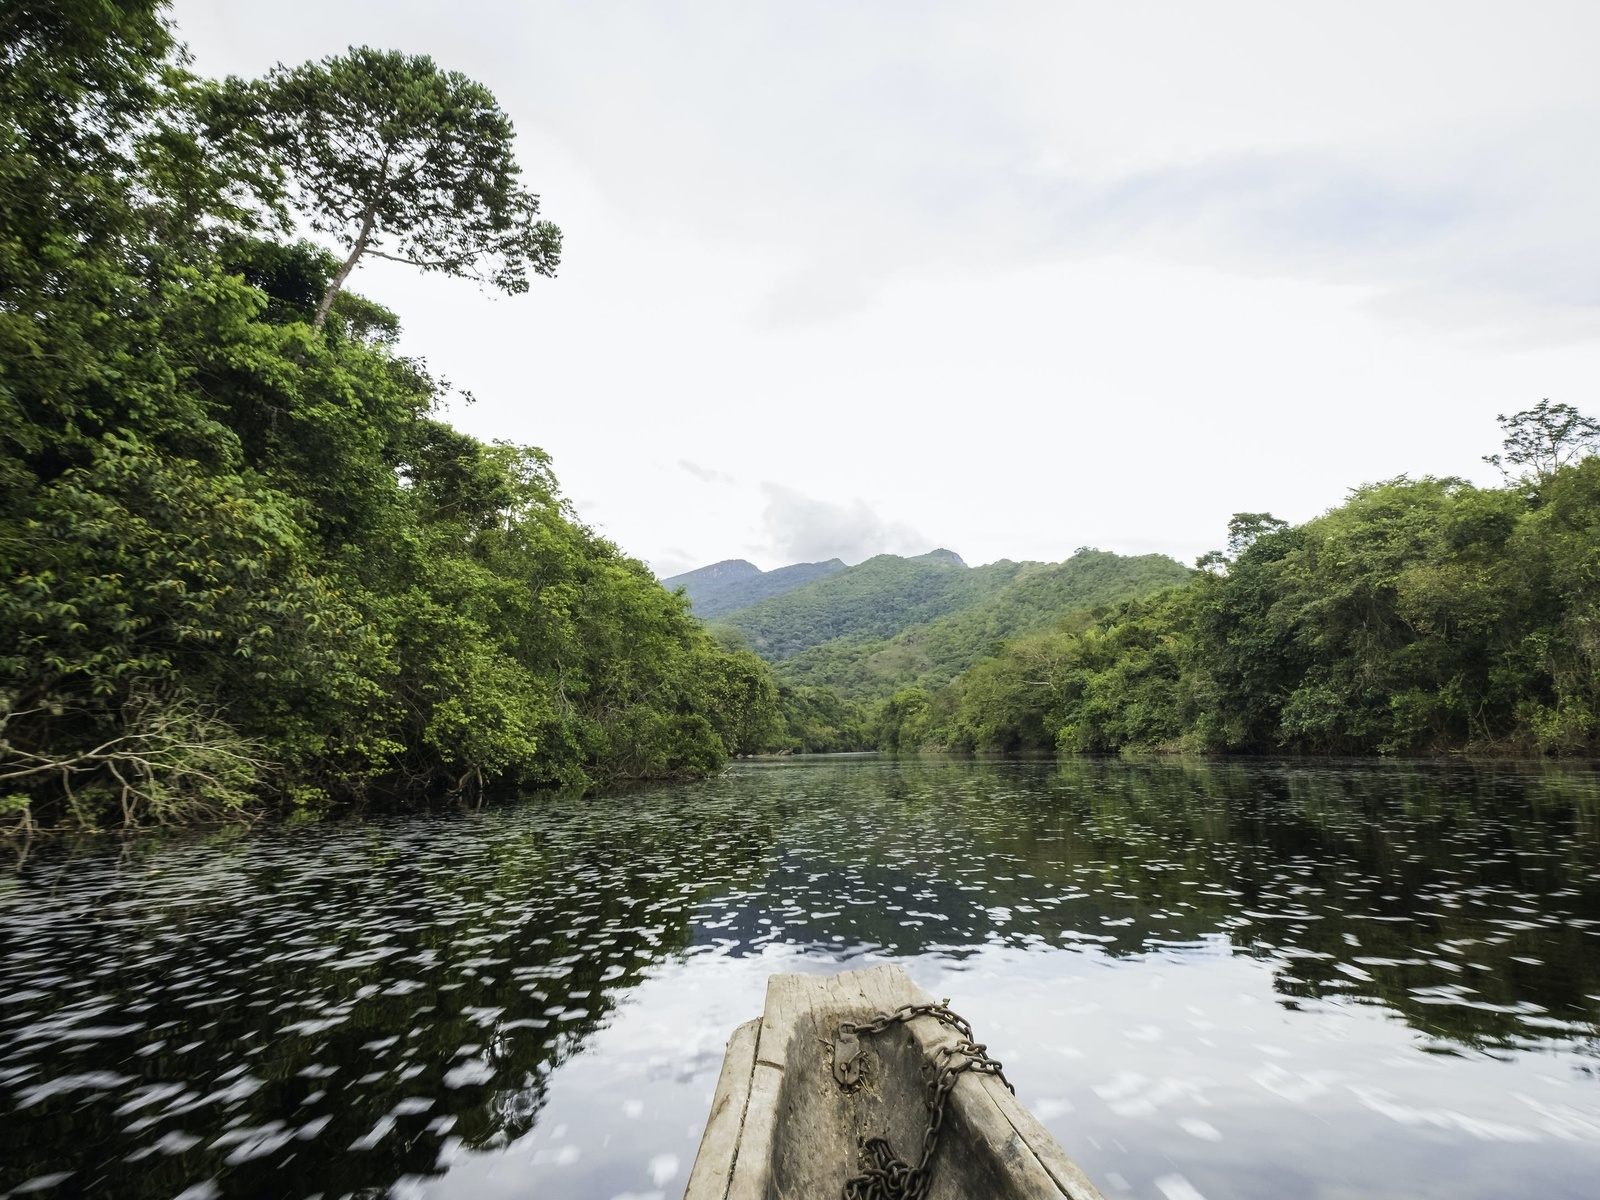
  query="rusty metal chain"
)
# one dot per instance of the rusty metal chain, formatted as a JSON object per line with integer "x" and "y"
{"x": 887, "y": 1177}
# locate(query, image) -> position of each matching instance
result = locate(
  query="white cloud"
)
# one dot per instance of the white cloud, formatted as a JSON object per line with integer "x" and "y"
{"x": 1473, "y": 228}
{"x": 800, "y": 528}
{"x": 707, "y": 474}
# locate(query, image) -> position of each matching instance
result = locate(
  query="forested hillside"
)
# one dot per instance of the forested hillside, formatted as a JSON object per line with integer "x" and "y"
{"x": 845, "y": 642}
{"x": 243, "y": 561}
{"x": 1422, "y": 615}
{"x": 734, "y": 584}
{"x": 873, "y": 599}
{"x": 932, "y": 653}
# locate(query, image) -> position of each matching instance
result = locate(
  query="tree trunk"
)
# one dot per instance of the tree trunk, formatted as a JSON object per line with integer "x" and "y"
{"x": 336, "y": 284}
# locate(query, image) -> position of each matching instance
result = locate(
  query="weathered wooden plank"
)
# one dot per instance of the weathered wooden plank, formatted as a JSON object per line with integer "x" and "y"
{"x": 752, "y": 1167}
{"x": 719, "y": 1144}
{"x": 1068, "y": 1176}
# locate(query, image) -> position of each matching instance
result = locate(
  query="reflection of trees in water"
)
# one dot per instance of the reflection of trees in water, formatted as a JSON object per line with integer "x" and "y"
{"x": 1394, "y": 883}
{"x": 298, "y": 991}
{"x": 327, "y": 1021}
{"x": 1425, "y": 887}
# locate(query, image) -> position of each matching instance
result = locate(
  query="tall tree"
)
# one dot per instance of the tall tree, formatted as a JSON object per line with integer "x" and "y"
{"x": 396, "y": 159}
{"x": 1542, "y": 439}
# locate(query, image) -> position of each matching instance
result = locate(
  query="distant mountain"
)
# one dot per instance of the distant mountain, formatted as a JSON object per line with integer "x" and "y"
{"x": 978, "y": 608}
{"x": 866, "y": 631}
{"x": 874, "y": 599}
{"x": 734, "y": 583}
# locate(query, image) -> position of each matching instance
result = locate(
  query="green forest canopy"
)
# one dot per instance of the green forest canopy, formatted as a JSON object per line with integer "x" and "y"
{"x": 244, "y": 560}
{"x": 1421, "y": 616}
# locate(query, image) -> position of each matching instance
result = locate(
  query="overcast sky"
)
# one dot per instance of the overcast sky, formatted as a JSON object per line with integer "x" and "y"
{"x": 1011, "y": 279}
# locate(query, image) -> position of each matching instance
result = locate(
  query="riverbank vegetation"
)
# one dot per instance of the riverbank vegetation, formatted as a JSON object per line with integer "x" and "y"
{"x": 246, "y": 561}
{"x": 1421, "y": 616}
{"x": 248, "y": 565}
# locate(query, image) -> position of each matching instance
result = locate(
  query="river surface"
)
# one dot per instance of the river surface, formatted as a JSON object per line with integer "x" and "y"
{"x": 1236, "y": 981}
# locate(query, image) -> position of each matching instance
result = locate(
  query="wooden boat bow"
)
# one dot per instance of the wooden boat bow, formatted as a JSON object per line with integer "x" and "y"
{"x": 798, "y": 1100}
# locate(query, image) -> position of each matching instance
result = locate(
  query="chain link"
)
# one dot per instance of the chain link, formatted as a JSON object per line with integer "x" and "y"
{"x": 885, "y": 1176}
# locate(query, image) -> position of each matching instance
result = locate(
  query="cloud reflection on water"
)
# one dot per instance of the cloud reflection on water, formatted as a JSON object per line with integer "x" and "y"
{"x": 1241, "y": 979}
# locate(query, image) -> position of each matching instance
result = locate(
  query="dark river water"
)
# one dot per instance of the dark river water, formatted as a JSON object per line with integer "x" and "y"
{"x": 1227, "y": 980}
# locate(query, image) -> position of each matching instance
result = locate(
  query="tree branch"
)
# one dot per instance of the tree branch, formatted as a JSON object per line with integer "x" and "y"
{"x": 336, "y": 284}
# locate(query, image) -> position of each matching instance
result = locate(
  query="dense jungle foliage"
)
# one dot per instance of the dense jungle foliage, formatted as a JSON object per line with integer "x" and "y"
{"x": 1422, "y": 615}
{"x": 245, "y": 561}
